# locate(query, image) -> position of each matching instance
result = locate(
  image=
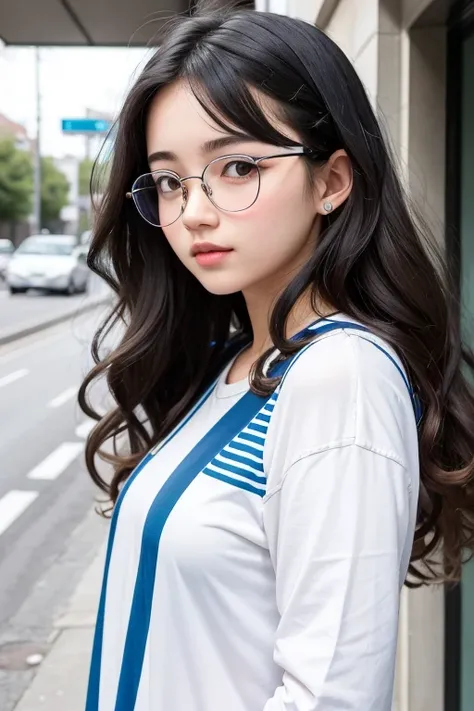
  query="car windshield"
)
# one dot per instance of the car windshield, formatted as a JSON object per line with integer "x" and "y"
{"x": 43, "y": 246}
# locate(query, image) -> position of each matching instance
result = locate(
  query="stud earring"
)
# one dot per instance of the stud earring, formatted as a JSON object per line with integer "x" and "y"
{"x": 328, "y": 206}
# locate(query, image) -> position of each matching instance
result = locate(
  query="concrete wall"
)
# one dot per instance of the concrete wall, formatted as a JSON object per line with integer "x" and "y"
{"x": 424, "y": 117}
{"x": 369, "y": 33}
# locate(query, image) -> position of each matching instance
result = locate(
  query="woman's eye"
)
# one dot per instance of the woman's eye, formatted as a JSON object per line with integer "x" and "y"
{"x": 239, "y": 169}
{"x": 168, "y": 184}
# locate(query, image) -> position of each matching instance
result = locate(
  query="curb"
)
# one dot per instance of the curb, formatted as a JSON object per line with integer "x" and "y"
{"x": 60, "y": 318}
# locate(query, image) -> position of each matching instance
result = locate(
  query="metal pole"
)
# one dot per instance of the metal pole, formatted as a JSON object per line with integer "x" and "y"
{"x": 37, "y": 155}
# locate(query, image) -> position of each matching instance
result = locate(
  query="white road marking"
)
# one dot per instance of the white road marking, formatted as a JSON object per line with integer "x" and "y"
{"x": 64, "y": 397}
{"x": 57, "y": 462}
{"x": 7, "y": 379}
{"x": 12, "y": 505}
{"x": 84, "y": 428}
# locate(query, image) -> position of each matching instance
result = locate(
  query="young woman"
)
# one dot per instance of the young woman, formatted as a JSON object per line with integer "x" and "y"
{"x": 290, "y": 381}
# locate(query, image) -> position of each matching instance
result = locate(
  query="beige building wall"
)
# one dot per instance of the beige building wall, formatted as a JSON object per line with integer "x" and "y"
{"x": 402, "y": 68}
{"x": 424, "y": 121}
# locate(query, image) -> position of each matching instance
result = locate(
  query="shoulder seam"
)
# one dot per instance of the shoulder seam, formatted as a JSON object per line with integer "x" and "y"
{"x": 341, "y": 444}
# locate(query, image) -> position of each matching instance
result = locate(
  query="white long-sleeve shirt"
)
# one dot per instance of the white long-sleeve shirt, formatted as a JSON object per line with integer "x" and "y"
{"x": 270, "y": 579}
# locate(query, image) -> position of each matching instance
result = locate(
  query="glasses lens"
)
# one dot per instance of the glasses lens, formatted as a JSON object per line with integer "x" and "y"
{"x": 158, "y": 197}
{"x": 234, "y": 182}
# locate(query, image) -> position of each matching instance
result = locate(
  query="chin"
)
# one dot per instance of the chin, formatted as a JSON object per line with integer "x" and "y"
{"x": 222, "y": 284}
{"x": 220, "y": 289}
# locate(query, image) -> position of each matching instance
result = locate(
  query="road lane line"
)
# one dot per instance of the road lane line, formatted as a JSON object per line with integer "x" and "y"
{"x": 56, "y": 462}
{"x": 12, "y": 505}
{"x": 7, "y": 379}
{"x": 84, "y": 428}
{"x": 64, "y": 397}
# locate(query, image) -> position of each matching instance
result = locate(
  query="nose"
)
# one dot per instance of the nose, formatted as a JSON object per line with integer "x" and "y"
{"x": 198, "y": 209}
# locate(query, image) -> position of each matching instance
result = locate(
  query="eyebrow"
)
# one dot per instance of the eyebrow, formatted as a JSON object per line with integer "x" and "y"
{"x": 208, "y": 147}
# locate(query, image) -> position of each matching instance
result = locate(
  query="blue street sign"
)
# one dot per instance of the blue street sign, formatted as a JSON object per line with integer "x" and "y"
{"x": 85, "y": 125}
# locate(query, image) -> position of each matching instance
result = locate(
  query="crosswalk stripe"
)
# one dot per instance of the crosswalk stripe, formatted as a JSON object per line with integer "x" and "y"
{"x": 57, "y": 462}
{"x": 12, "y": 505}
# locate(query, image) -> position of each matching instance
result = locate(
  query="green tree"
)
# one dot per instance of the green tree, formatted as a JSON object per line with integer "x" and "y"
{"x": 54, "y": 190}
{"x": 85, "y": 170}
{"x": 16, "y": 182}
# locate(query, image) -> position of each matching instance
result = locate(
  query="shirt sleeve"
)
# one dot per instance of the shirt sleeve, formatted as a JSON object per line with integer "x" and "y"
{"x": 339, "y": 530}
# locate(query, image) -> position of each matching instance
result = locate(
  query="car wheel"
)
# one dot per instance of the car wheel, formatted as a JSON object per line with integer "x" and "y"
{"x": 70, "y": 289}
{"x": 17, "y": 290}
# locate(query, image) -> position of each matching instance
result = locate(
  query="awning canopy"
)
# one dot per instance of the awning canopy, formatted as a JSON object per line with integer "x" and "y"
{"x": 85, "y": 22}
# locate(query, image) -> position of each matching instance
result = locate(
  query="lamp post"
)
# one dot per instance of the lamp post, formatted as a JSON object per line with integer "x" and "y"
{"x": 37, "y": 154}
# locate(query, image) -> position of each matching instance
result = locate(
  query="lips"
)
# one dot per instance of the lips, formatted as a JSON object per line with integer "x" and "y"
{"x": 206, "y": 247}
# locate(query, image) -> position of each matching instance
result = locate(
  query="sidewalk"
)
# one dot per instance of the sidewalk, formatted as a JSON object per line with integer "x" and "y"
{"x": 61, "y": 681}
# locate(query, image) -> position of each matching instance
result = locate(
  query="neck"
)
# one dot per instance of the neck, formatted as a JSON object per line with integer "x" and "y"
{"x": 260, "y": 304}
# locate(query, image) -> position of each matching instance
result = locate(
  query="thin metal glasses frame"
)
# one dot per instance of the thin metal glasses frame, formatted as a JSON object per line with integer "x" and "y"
{"x": 291, "y": 152}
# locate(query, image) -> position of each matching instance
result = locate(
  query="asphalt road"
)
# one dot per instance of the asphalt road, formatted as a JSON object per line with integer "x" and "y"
{"x": 48, "y": 531}
{"x": 23, "y": 310}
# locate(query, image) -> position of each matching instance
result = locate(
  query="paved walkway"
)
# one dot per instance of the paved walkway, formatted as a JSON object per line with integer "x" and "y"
{"x": 61, "y": 681}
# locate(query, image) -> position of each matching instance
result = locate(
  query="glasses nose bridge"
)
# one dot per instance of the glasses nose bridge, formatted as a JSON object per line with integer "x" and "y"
{"x": 205, "y": 187}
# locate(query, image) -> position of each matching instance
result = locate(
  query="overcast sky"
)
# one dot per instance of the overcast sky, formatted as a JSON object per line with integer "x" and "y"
{"x": 72, "y": 80}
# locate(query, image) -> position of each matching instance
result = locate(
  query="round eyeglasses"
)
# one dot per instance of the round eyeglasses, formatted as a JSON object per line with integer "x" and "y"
{"x": 232, "y": 184}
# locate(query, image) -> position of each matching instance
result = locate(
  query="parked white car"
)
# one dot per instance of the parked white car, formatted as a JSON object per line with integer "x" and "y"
{"x": 6, "y": 250}
{"x": 86, "y": 237}
{"x": 49, "y": 263}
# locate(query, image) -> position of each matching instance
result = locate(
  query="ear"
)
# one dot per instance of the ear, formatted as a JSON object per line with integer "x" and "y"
{"x": 333, "y": 183}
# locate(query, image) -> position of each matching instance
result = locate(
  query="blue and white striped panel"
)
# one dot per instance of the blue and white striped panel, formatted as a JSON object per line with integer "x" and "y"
{"x": 240, "y": 462}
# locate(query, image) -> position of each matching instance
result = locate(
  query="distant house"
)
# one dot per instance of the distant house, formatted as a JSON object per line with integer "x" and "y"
{"x": 11, "y": 129}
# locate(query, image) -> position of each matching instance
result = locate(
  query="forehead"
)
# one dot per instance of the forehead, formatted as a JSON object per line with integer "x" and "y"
{"x": 173, "y": 107}
{"x": 177, "y": 121}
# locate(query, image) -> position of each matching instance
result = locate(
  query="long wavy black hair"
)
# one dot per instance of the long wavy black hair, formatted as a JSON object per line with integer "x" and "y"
{"x": 373, "y": 262}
